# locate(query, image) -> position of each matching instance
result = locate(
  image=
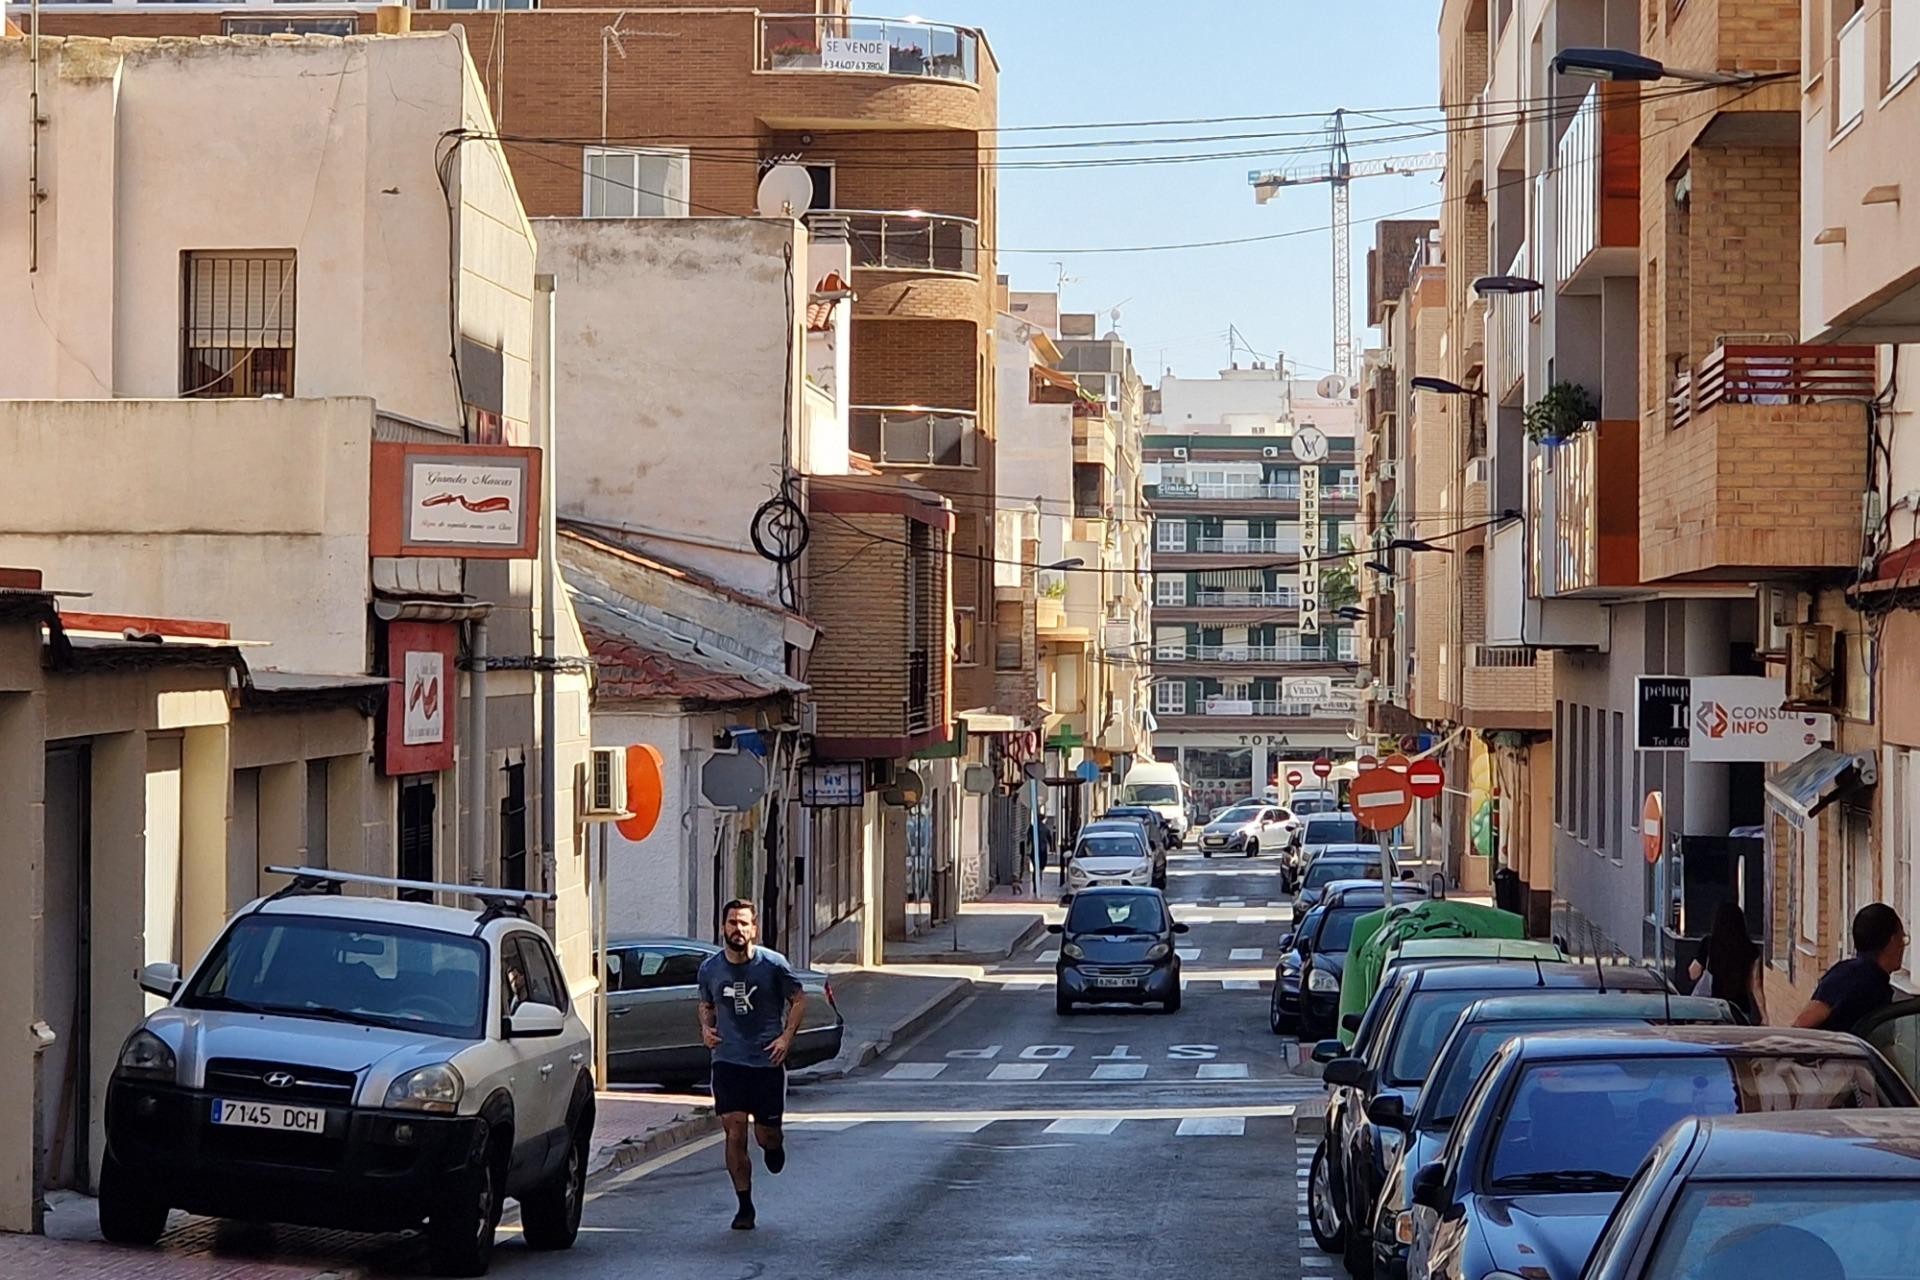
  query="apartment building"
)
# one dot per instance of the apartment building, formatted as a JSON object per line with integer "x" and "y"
{"x": 1236, "y": 466}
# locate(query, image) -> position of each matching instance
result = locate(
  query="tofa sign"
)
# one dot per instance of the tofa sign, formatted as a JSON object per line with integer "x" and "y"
{"x": 1740, "y": 719}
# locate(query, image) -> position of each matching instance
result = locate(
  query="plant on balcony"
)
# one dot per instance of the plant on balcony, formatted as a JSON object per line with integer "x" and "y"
{"x": 793, "y": 51}
{"x": 907, "y": 59}
{"x": 1054, "y": 589}
{"x": 1338, "y": 587}
{"x": 1565, "y": 410}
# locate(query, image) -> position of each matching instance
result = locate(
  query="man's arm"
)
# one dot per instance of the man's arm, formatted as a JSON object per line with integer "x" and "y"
{"x": 1814, "y": 1015}
{"x": 709, "y": 1033}
{"x": 796, "y": 1010}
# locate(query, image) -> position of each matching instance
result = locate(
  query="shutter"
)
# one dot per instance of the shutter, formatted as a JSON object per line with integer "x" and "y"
{"x": 1234, "y": 579}
{"x": 240, "y": 302}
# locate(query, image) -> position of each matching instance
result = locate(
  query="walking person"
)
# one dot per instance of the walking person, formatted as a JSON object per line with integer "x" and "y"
{"x": 1858, "y": 986}
{"x": 750, "y": 1008}
{"x": 1729, "y": 965}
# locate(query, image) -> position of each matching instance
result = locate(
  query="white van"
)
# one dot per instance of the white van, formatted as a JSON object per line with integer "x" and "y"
{"x": 1159, "y": 786}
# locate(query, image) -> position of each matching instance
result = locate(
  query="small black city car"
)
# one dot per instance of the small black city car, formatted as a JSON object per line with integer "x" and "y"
{"x": 1116, "y": 947}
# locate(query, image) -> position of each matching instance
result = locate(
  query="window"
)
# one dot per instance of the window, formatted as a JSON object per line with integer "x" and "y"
{"x": 1560, "y": 748}
{"x": 653, "y": 969}
{"x": 486, "y": 4}
{"x": 1898, "y": 887}
{"x": 1170, "y": 535}
{"x": 288, "y": 26}
{"x": 1620, "y": 802}
{"x": 965, "y": 627}
{"x": 236, "y": 324}
{"x": 513, "y": 827}
{"x": 316, "y": 813}
{"x": 1009, "y": 620}
{"x": 624, "y": 182}
{"x": 416, "y": 832}
{"x": 1170, "y": 589}
{"x": 1603, "y": 775}
{"x": 527, "y": 958}
{"x": 1170, "y": 699}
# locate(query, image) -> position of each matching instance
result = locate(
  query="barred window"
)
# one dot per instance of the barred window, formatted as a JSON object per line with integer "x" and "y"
{"x": 236, "y": 323}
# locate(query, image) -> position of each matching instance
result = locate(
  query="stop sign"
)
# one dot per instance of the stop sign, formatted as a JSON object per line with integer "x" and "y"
{"x": 1322, "y": 767}
{"x": 1380, "y": 799}
{"x": 1293, "y": 778}
{"x": 1426, "y": 779}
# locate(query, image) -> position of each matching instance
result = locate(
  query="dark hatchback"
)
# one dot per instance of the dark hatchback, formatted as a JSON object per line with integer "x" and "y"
{"x": 1306, "y": 982}
{"x": 1165, "y": 837}
{"x": 1558, "y": 1123}
{"x": 1814, "y": 1195}
{"x": 1336, "y": 862}
{"x": 1422, "y": 1007}
{"x": 1116, "y": 947}
{"x": 1482, "y": 1028}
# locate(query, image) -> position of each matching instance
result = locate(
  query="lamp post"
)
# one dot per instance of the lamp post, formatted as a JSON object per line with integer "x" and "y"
{"x": 1618, "y": 64}
{"x": 1443, "y": 387}
{"x": 1506, "y": 284}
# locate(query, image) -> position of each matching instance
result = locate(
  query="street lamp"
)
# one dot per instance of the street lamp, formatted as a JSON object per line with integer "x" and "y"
{"x": 1442, "y": 386}
{"x": 1348, "y": 613}
{"x": 1618, "y": 64}
{"x": 1072, "y": 562}
{"x": 1417, "y": 544}
{"x": 1506, "y": 284}
{"x": 1379, "y": 566}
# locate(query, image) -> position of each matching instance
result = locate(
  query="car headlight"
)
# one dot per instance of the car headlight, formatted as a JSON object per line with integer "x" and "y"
{"x": 1076, "y": 871}
{"x": 145, "y": 1056}
{"x": 1321, "y": 980}
{"x": 1158, "y": 951}
{"x": 1072, "y": 951}
{"x": 1403, "y": 1227}
{"x": 436, "y": 1088}
{"x": 1145, "y": 867}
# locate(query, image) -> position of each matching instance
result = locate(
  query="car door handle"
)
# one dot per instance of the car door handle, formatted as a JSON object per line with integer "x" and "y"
{"x": 577, "y": 1059}
{"x": 546, "y": 1069}
{"x": 620, "y": 1013}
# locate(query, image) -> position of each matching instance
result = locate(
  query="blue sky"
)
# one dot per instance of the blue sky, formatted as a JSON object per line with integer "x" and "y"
{"x": 1110, "y": 60}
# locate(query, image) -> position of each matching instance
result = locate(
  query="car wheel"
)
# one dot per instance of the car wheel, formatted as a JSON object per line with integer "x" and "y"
{"x": 1357, "y": 1255}
{"x": 550, "y": 1219}
{"x": 460, "y": 1233}
{"x": 1206, "y": 853}
{"x": 1322, "y": 1211}
{"x": 1172, "y": 1003}
{"x": 1062, "y": 1005}
{"x": 128, "y": 1213}
{"x": 1278, "y": 1021}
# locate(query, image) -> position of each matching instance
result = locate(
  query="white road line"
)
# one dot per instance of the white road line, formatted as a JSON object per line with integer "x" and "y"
{"x": 915, "y": 1070}
{"x": 1242, "y": 1113}
{"x": 1244, "y": 953}
{"x": 1222, "y": 1071}
{"x": 1120, "y": 1071}
{"x": 1083, "y": 1125}
{"x": 1233, "y": 902}
{"x": 1241, "y": 984}
{"x": 1025, "y": 984}
{"x": 1050, "y": 957}
{"x": 1187, "y": 954}
{"x": 1211, "y": 1127}
{"x": 824, "y": 1126}
{"x": 1277, "y": 904}
{"x": 961, "y": 1126}
{"x": 1018, "y": 1071}
{"x": 1252, "y": 920}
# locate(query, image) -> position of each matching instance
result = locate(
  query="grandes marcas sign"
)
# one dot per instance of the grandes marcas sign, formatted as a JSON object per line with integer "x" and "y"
{"x": 470, "y": 500}
{"x": 1739, "y": 718}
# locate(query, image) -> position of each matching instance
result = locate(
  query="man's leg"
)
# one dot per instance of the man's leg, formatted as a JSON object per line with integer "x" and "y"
{"x": 739, "y": 1167}
{"x": 770, "y": 1106}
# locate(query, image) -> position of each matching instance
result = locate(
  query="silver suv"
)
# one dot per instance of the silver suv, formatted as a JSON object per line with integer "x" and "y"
{"x": 358, "y": 1063}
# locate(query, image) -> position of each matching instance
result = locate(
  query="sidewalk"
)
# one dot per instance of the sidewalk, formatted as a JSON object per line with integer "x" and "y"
{"x": 985, "y": 932}
{"x": 883, "y": 1007}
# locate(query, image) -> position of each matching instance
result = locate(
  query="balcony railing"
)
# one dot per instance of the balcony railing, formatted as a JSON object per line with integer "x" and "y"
{"x": 1772, "y": 374}
{"x": 919, "y": 691}
{"x": 908, "y": 241}
{"x": 1599, "y": 186}
{"x": 1592, "y": 486}
{"x": 914, "y": 436}
{"x": 1498, "y": 657}
{"x": 1223, "y": 706}
{"x": 1287, "y": 599}
{"x": 1286, "y": 491}
{"x": 869, "y": 46}
{"x": 1240, "y": 546}
{"x": 1510, "y": 319}
{"x": 1253, "y": 653}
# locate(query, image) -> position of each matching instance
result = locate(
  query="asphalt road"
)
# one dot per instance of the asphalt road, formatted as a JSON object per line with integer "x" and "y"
{"x": 1007, "y": 1139}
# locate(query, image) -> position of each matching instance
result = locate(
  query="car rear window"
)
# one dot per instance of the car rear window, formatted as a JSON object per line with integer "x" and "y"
{"x": 1325, "y": 871}
{"x": 1858, "y": 1229}
{"x": 1336, "y": 930}
{"x": 1334, "y": 831}
{"x": 1424, "y": 1027}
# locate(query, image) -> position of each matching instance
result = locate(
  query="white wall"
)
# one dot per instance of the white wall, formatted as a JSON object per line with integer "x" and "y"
{"x": 1034, "y": 456}
{"x": 651, "y": 882}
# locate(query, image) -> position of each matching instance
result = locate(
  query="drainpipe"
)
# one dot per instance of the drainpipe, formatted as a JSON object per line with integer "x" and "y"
{"x": 544, "y": 402}
{"x": 477, "y": 753}
{"x": 35, "y": 123}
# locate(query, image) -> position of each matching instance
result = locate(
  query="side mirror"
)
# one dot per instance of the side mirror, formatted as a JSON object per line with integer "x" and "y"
{"x": 1286, "y": 942}
{"x": 1181, "y": 926}
{"x": 1056, "y": 928}
{"x": 1429, "y": 1187}
{"x": 535, "y": 1022}
{"x": 1389, "y": 1111}
{"x": 1406, "y": 875}
{"x": 1347, "y": 1073}
{"x": 1328, "y": 1050}
{"x": 161, "y": 980}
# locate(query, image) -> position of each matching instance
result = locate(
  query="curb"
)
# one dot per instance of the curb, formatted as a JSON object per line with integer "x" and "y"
{"x": 1032, "y": 934}
{"x": 868, "y": 1050}
{"x": 626, "y": 1154}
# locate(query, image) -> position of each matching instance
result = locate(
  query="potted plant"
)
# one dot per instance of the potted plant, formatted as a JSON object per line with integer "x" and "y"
{"x": 907, "y": 60}
{"x": 1566, "y": 409}
{"x": 794, "y": 51}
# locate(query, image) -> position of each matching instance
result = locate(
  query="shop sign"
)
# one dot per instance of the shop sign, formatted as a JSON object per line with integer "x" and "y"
{"x": 1740, "y": 719}
{"x": 1661, "y": 705}
{"x": 833, "y": 785}
{"x": 473, "y": 501}
{"x": 418, "y": 736}
{"x": 1309, "y": 551}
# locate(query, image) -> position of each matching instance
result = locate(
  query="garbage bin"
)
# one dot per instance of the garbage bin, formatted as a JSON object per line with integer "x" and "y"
{"x": 1507, "y": 891}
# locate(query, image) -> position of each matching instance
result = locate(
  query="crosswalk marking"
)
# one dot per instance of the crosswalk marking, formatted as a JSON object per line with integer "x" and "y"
{"x": 1244, "y": 953}
{"x": 1233, "y": 902}
{"x": 1212, "y": 1127}
{"x": 961, "y": 1126}
{"x": 1083, "y": 1125}
{"x": 1018, "y": 1071}
{"x": 1222, "y": 1071}
{"x": 1240, "y": 984}
{"x": 1251, "y": 920}
{"x": 1050, "y": 956}
{"x": 1120, "y": 1071}
{"x": 1187, "y": 953}
{"x": 915, "y": 1070}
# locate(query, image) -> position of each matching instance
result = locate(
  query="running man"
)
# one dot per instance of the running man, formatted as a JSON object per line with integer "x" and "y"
{"x": 750, "y": 1008}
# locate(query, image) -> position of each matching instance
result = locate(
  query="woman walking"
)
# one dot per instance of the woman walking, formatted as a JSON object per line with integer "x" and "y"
{"x": 1729, "y": 965}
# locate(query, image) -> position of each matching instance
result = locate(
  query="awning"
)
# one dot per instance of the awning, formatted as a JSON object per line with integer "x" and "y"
{"x": 1817, "y": 779}
{"x": 980, "y": 720}
{"x": 1055, "y": 378}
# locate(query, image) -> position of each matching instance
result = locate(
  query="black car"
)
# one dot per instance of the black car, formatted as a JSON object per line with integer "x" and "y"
{"x": 1812, "y": 1195}
{"x": 1165, "y": 837}
{"x": 1306, "y": 982}
{"x": 1423, "y": 1006}
{"x": 1337, "y": 862}
{"x": 1558, "y": 1123}
{"x": 1479, "y": 1032}
{"x": 1116, "y": 947}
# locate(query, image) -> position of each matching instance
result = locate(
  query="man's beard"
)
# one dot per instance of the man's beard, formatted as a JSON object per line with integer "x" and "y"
{"x": 738, "y": 941}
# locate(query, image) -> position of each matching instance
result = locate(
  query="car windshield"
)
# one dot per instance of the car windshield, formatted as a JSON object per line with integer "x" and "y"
{"x": 1304, "y": 805}
{"x": 1107, "y": 844}
{"x": 1825, "y": 1230}
{"x": 1333, "y": 831}
{"x": 1573, "y": 1126}
{"x": 1150, "y": 793}
{"x": 1454, "y": 1074}
{"x": 1115, "y": 913}
{"x": 358, "y": 971}
{"x": 1326, "y": 870}
{"x": 1429, "y": 1016}
{"x": 1336, "y": 930}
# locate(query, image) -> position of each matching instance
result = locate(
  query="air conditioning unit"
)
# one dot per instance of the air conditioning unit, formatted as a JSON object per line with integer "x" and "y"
{"x": 1479, "y": 471}
{"x": 607, "y": 783}
{"x": 1270, "y": 452}
{"x": 1811, "y": 682}
{"x": 1179, "y": 451}
{"x": 1779, "y": 609}
{"x": 1389, "y": 469}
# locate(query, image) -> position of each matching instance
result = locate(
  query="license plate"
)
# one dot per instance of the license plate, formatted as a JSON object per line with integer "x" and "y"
{"x": 1115, "y": 982}
{"x": 269, "y": 1115}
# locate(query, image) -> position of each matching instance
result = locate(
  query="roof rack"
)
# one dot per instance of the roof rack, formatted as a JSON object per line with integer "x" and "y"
{"x": 496, "y": 902}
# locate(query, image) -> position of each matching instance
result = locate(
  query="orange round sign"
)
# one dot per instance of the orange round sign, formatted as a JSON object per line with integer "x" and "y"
{"x": 646, "y": 791}
{"x": 1379, "y": 799}
{"x": 1652, "y": 826}
{"x": 1396, "y": 762}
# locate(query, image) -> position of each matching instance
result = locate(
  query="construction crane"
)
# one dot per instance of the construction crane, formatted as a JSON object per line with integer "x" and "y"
{"x": 1338, "y": 172}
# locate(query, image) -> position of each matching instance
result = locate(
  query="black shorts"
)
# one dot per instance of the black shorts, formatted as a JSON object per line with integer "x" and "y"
{"x": 760, "y": 1092}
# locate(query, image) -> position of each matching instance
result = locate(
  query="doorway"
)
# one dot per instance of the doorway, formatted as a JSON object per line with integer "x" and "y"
{"x": 64, "y": 1119}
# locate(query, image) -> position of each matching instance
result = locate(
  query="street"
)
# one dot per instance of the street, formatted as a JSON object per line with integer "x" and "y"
{"x": 1007, "y": 1138}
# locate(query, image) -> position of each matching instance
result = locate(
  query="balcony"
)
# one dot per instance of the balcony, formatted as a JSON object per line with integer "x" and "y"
{"x": 1588, "y": 503}
{"x": 1093, "y": 440}
{"x": 1506, "y": 687}
{"x": 919, "y": 707}
{"x": 1763, "y": 470}
{"x": 1239, "y": 496}
{"x": 908, "y": 240}
{"x": 1252, "y": 653}
{"x": 838, "y": 45}
{"x": 1244, "y": 546}
{"x": 1599, "y": 189}
{"x": 1511, "y": 316}
{"x": 914, "y": 436}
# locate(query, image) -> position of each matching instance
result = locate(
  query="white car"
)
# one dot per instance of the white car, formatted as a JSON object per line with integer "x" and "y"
{"x": 1250, "y": 829}
{"x": 1112, "y": 856}
{"x": 1317, "y": 831}
{"x": 363, "y": 1064}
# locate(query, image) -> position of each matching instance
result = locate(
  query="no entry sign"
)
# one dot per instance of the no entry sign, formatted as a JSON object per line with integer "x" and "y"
{"x": 1323, "y": 768}
{"x": 1293, "y": 778}
{"x": 1426, "y": 779}
{"x": 1652, "y": 826}
{"x": 1380, "y": 799}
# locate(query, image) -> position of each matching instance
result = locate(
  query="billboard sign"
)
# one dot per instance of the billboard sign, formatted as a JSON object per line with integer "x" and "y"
{"x": 1739, "y": 719}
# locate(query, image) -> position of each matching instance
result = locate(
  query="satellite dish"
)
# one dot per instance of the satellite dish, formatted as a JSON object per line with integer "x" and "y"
{"x": 786, "y": 191}
{"x": 1331, "y": 387}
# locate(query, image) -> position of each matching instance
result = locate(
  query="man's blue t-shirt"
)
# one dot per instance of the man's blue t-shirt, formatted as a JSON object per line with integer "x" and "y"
{"x": 749, "y": 1003}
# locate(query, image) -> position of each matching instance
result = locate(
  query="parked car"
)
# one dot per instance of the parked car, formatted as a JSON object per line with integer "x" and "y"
{"x": 1319, "y": 831}
{"x": 1812, "y": 1195}
{"x": 1115, "y": 853}
{"x": 1559, "y": 1122}
{"x": 1249, "y": 830}
{"x": 1341, "y": 862}
{"x": 1424, "y": 1001}
{"x": 1307, "y": 801}
{"x": 358, "y": 1063}
{"x": 653, "y": 1013}
{"x": 1477, "y": 1035}
{"x": 1306, "y": 996}
{"x": 1164, "y": 833}
{"x": 1116, "y": 946}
